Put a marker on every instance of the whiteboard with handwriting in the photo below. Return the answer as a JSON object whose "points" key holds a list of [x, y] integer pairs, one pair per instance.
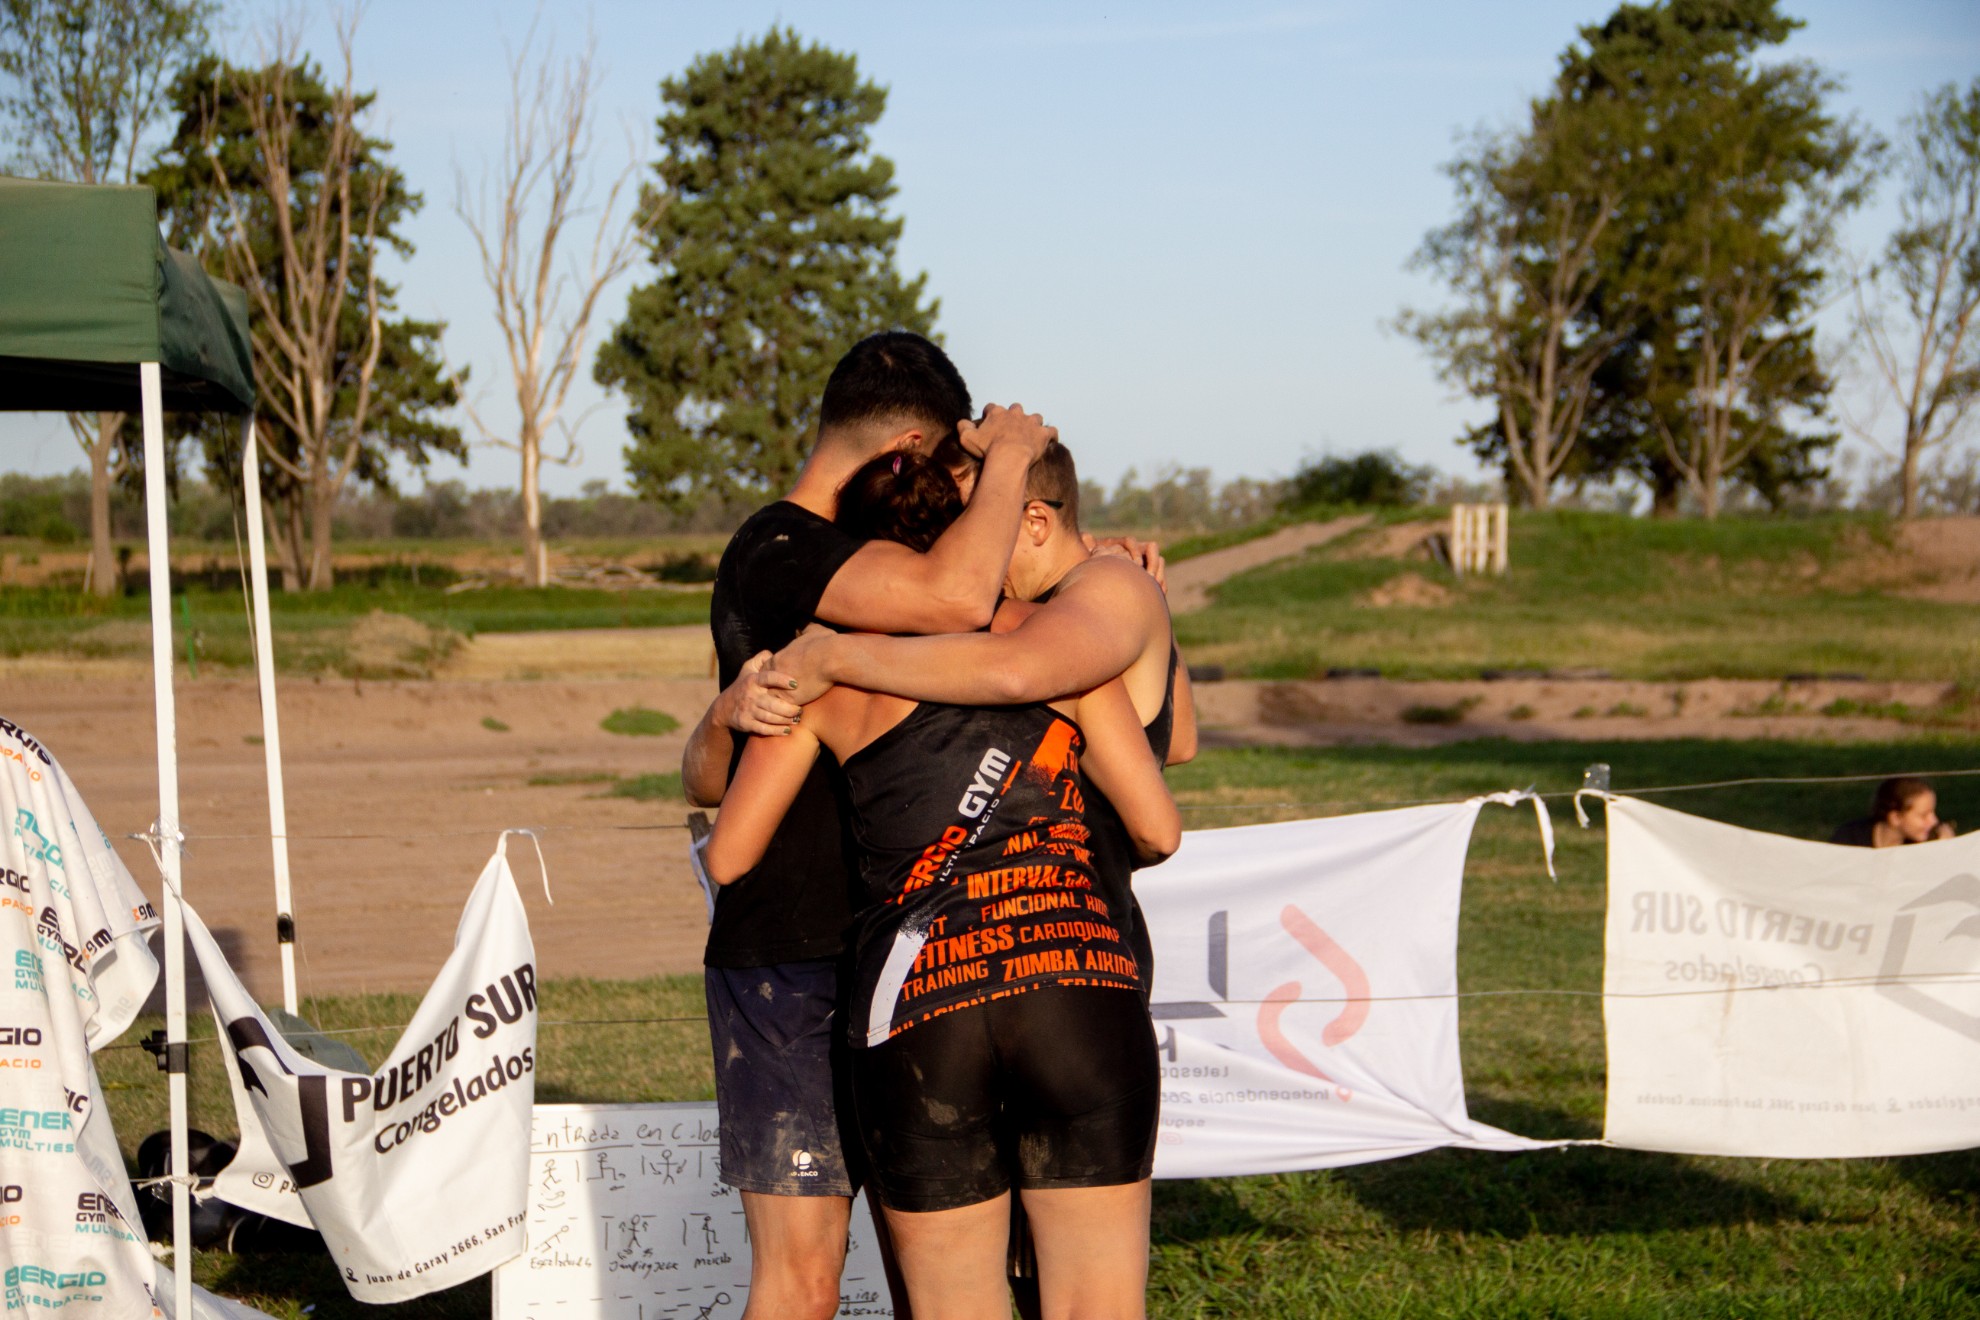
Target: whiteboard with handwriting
{"points": [[628, 1221]]}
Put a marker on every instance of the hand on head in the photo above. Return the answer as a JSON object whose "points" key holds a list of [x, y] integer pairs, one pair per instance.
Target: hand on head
{"points": [[1147, 554], [1012, 425]]}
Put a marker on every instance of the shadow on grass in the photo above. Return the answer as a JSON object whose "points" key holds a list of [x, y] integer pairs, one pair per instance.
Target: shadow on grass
{"points": [[1541, 1122], [1205, 1209], [1575, 1192], [284, 1284], [1952, 1178]]}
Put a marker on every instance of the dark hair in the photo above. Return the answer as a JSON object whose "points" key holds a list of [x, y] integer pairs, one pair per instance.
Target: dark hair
{"points": [[1896, 795], [895, 374], [1055, 480], [899, 497]]}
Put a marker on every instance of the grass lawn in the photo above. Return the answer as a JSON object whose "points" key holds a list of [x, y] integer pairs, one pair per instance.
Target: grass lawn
{"points": [[391, 629], [1578, 1232], [1638, 598]]}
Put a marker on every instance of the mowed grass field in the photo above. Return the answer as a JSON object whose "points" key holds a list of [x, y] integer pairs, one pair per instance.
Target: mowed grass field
{"points": [[1676, 600], [1570, 1233], [1636, 598]]}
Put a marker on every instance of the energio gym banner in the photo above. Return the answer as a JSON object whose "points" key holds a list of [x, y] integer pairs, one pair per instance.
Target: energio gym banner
{"points": [[416, 1175], [1775, 997], [74, 970], [1304, 996]]}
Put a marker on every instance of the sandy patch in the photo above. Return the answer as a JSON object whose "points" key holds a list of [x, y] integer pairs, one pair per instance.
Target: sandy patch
{"points": [[1190, 582], [682, 652], [1409, 589]]}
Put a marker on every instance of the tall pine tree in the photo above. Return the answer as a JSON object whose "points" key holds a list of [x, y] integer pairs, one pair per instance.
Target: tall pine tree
{"points": [[773, 256]]}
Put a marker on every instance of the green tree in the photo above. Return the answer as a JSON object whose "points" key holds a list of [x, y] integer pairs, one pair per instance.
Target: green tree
{"points": [[271, 180], [1379, 477], [1918, 307], [82, 84], [774, 254], [1525, 258], [1723, 241]]}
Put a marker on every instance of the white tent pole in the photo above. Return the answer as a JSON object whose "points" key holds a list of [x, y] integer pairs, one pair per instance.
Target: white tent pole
{"points": [[152, 398], [271, 725]]}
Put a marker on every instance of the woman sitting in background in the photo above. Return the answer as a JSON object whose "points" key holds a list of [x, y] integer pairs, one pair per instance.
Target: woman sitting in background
{"points": [[1905, 810]]}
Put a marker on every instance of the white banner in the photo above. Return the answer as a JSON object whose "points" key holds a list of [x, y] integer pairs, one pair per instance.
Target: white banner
{"points": [[416, 1176], [1776, 997], [1304, 999], [76, 970]]}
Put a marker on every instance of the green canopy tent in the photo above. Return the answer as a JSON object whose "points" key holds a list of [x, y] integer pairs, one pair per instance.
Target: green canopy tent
{"points": [[97, 314], [88, 292]]}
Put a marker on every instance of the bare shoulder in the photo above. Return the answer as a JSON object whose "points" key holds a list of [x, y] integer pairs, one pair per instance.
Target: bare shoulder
{"points": [[1117, 582]]}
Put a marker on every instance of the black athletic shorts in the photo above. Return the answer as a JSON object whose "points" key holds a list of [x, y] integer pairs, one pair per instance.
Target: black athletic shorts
{"points": [[780, 1078], [1055, 1087]]}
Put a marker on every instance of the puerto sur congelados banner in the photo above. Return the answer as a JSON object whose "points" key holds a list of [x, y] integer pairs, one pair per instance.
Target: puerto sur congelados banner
{"points": [[1305, 993], [1776, 997], [416, 1175], [74, 970]]}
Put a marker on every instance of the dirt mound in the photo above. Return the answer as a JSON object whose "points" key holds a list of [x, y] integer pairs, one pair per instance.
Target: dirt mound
{"points": [[1947, 550], [682, 652], [1409, 589], [386, 645], [1402, 541], [1935, 559], [114, 637]]}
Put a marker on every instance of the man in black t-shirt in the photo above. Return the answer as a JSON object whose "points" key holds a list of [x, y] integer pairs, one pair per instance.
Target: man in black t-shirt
{"points": [[773, 951]]}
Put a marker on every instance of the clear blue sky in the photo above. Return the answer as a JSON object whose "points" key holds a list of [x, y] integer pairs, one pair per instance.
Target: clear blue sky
{"points": [[1177, 229]]}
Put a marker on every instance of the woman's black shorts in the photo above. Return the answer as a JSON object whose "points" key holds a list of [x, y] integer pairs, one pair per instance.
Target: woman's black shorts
{"points": [[1055, 1087]]}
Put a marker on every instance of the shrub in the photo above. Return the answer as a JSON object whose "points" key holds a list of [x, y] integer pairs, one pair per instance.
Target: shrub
{"points": [[1378, 477]]}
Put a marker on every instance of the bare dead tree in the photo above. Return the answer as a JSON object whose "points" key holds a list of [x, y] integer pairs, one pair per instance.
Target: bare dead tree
{"points": [[1918, 308], [323, 217], [546, 286]]}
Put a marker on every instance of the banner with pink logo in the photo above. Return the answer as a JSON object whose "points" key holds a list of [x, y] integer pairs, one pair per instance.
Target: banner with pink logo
{"points": [[1305, 993], [1771, 996]]}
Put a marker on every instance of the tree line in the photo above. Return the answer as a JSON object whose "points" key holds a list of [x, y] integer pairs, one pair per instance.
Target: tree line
{"points": [[1636, 269], [763, 220]]}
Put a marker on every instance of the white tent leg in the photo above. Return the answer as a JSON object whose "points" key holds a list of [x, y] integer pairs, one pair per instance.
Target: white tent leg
{"points": [[271, 725], [152, 398]]}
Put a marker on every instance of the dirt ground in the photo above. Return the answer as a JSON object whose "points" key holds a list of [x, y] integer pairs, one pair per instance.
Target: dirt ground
{"points": [[396, 789], [395, 794]]}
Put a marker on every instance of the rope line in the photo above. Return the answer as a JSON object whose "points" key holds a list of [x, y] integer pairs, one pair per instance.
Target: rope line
{"points": [[1559, 795], [1834, 983]]}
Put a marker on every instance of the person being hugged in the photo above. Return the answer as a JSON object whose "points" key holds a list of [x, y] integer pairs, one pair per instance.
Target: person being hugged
{"points": [[996, 1012]]}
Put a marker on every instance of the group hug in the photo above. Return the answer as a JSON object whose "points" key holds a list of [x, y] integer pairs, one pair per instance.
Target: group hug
{"points": [[938, 756]]}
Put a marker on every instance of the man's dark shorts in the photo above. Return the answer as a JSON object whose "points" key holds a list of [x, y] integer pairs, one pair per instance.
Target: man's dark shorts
{"points": [[778, 1078]]}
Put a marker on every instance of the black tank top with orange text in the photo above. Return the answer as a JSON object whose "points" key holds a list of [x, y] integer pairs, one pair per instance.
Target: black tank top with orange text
{"points": [[974, 852]]}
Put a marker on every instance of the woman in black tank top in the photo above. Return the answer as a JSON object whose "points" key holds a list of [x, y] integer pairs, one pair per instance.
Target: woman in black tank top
{"points": [[997, 1012]]}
